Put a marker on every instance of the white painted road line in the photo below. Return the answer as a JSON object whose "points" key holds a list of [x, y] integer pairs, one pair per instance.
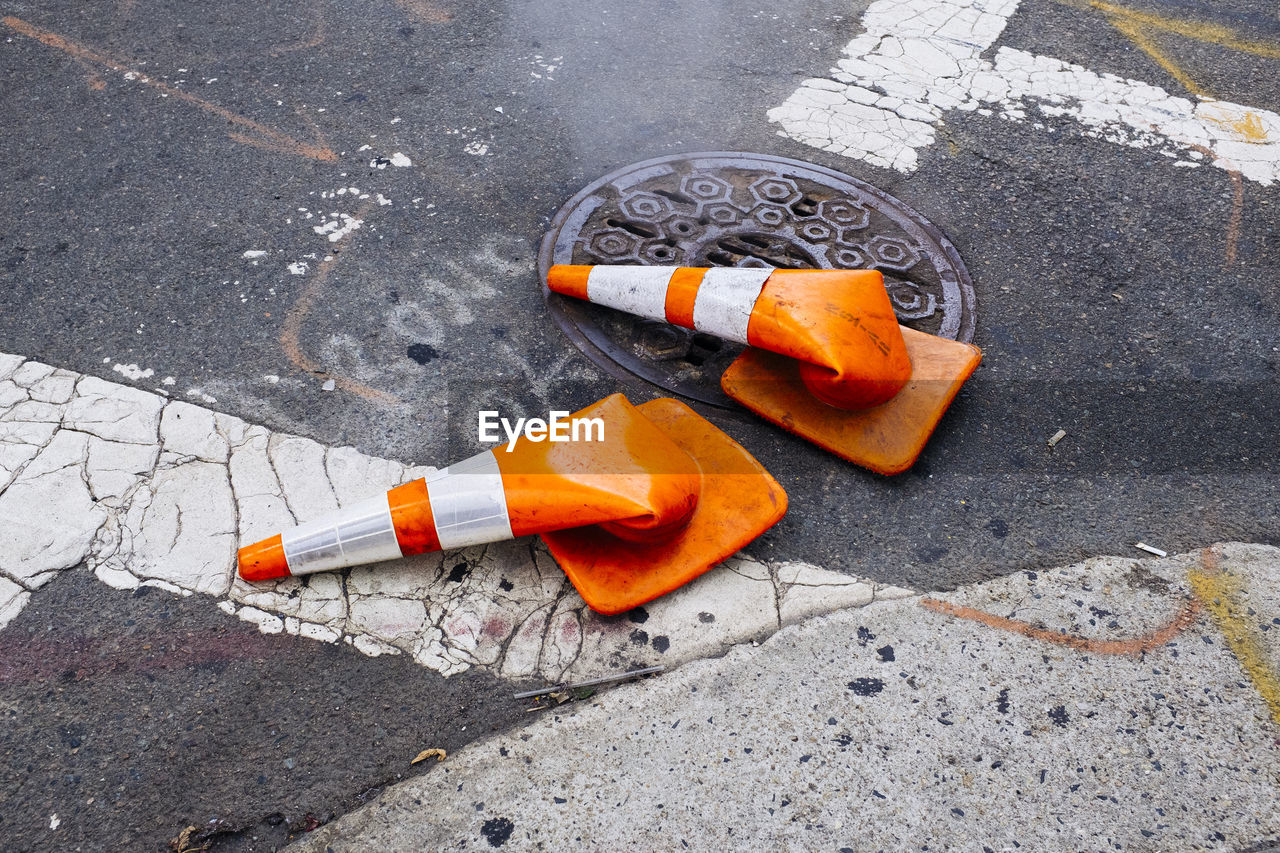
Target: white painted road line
{"points": [[144, 490], [919, 59]]}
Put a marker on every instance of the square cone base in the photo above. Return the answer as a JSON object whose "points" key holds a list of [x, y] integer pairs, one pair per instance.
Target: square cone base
{"points": [[887, 438], [739, 501]]}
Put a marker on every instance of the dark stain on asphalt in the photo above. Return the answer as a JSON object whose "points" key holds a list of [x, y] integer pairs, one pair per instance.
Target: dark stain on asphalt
{"points": [[497, 830], [661, 643], [930, 553], [885, 653], [210, 723], [423, 353], [1059, 716], [1002, 701], [866, 686], [864, 636], [1140, 577], [999, 527], [639, 615]]}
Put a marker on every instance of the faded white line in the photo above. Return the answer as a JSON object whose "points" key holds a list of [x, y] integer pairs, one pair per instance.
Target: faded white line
{"points": [[148, 491], [919, 59]]}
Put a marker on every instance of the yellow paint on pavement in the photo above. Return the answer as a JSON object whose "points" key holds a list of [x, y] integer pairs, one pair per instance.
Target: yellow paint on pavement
{"points": [[1201, 31], [1220, 592], [1248, 127], [1137, 33]]}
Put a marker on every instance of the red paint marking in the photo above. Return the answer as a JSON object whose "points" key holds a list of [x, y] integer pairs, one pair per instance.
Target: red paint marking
{"points": [[497, 628], [1237, 207], [265, 137], [295, 319], [1135, 646]]}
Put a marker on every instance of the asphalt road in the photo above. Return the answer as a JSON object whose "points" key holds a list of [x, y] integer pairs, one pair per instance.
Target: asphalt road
{"points": [[148, 147]]}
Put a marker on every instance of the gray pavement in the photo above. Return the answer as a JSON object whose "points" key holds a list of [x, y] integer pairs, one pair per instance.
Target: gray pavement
{"points": [[1110, 705]]}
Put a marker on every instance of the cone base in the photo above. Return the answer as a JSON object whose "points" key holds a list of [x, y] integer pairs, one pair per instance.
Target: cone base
{"points": [[886, 439], [739, 501]]}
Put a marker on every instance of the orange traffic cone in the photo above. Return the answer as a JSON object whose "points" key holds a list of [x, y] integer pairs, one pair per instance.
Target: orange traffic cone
{"points": [[839, 326], [827, 359], [658, 499]]}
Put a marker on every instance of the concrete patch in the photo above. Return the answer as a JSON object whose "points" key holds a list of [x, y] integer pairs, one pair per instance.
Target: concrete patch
{"points": [[879, 727]]}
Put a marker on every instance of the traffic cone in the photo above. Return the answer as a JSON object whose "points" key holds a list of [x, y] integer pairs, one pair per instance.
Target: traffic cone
{"points": [[837, 324], [826, 358], [661, 497]]}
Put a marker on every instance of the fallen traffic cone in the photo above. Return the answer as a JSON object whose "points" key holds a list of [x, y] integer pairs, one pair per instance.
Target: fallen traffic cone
{"points": [[661, 497], [837, 324], [827, 359]]}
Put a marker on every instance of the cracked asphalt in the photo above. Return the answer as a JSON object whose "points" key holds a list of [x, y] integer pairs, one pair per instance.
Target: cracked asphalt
{"points": [[167, 169]]}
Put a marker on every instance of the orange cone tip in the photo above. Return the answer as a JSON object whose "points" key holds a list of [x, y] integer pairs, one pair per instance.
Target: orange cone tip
{"points": [[658, 501]]}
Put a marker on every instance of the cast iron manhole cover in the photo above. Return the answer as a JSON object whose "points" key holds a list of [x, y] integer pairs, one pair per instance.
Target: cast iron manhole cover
{"points": [[741, 210]]}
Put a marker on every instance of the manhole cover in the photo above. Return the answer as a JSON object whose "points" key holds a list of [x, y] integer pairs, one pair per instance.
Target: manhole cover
{"points": [[744, 210]]}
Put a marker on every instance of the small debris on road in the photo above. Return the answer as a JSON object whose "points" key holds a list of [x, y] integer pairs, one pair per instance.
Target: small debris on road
{"points": [[1142, 546], [182, 844], [328, 385], [440, 755], [555, 689], [1056, 437]]}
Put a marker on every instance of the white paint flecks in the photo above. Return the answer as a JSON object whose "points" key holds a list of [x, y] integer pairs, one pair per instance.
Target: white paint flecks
{"points": [[199, 394], [920, 58], [398, 159], [476, 148], [254, 253], [338, 227], [546, 66], [132, 371], [298, 268], [147, 491]]}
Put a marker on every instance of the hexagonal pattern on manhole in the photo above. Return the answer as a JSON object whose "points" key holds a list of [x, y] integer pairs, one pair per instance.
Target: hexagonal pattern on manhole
{"points": [[744, 210]]}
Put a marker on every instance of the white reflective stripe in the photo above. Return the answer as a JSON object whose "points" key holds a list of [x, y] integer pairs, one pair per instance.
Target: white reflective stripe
{"points": [[725, 299], [352, 536], [469, 504], [636, 290]]}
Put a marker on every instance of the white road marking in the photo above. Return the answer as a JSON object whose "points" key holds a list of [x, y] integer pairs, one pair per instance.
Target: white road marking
{"points": [[919, 59], [147, 491]]}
